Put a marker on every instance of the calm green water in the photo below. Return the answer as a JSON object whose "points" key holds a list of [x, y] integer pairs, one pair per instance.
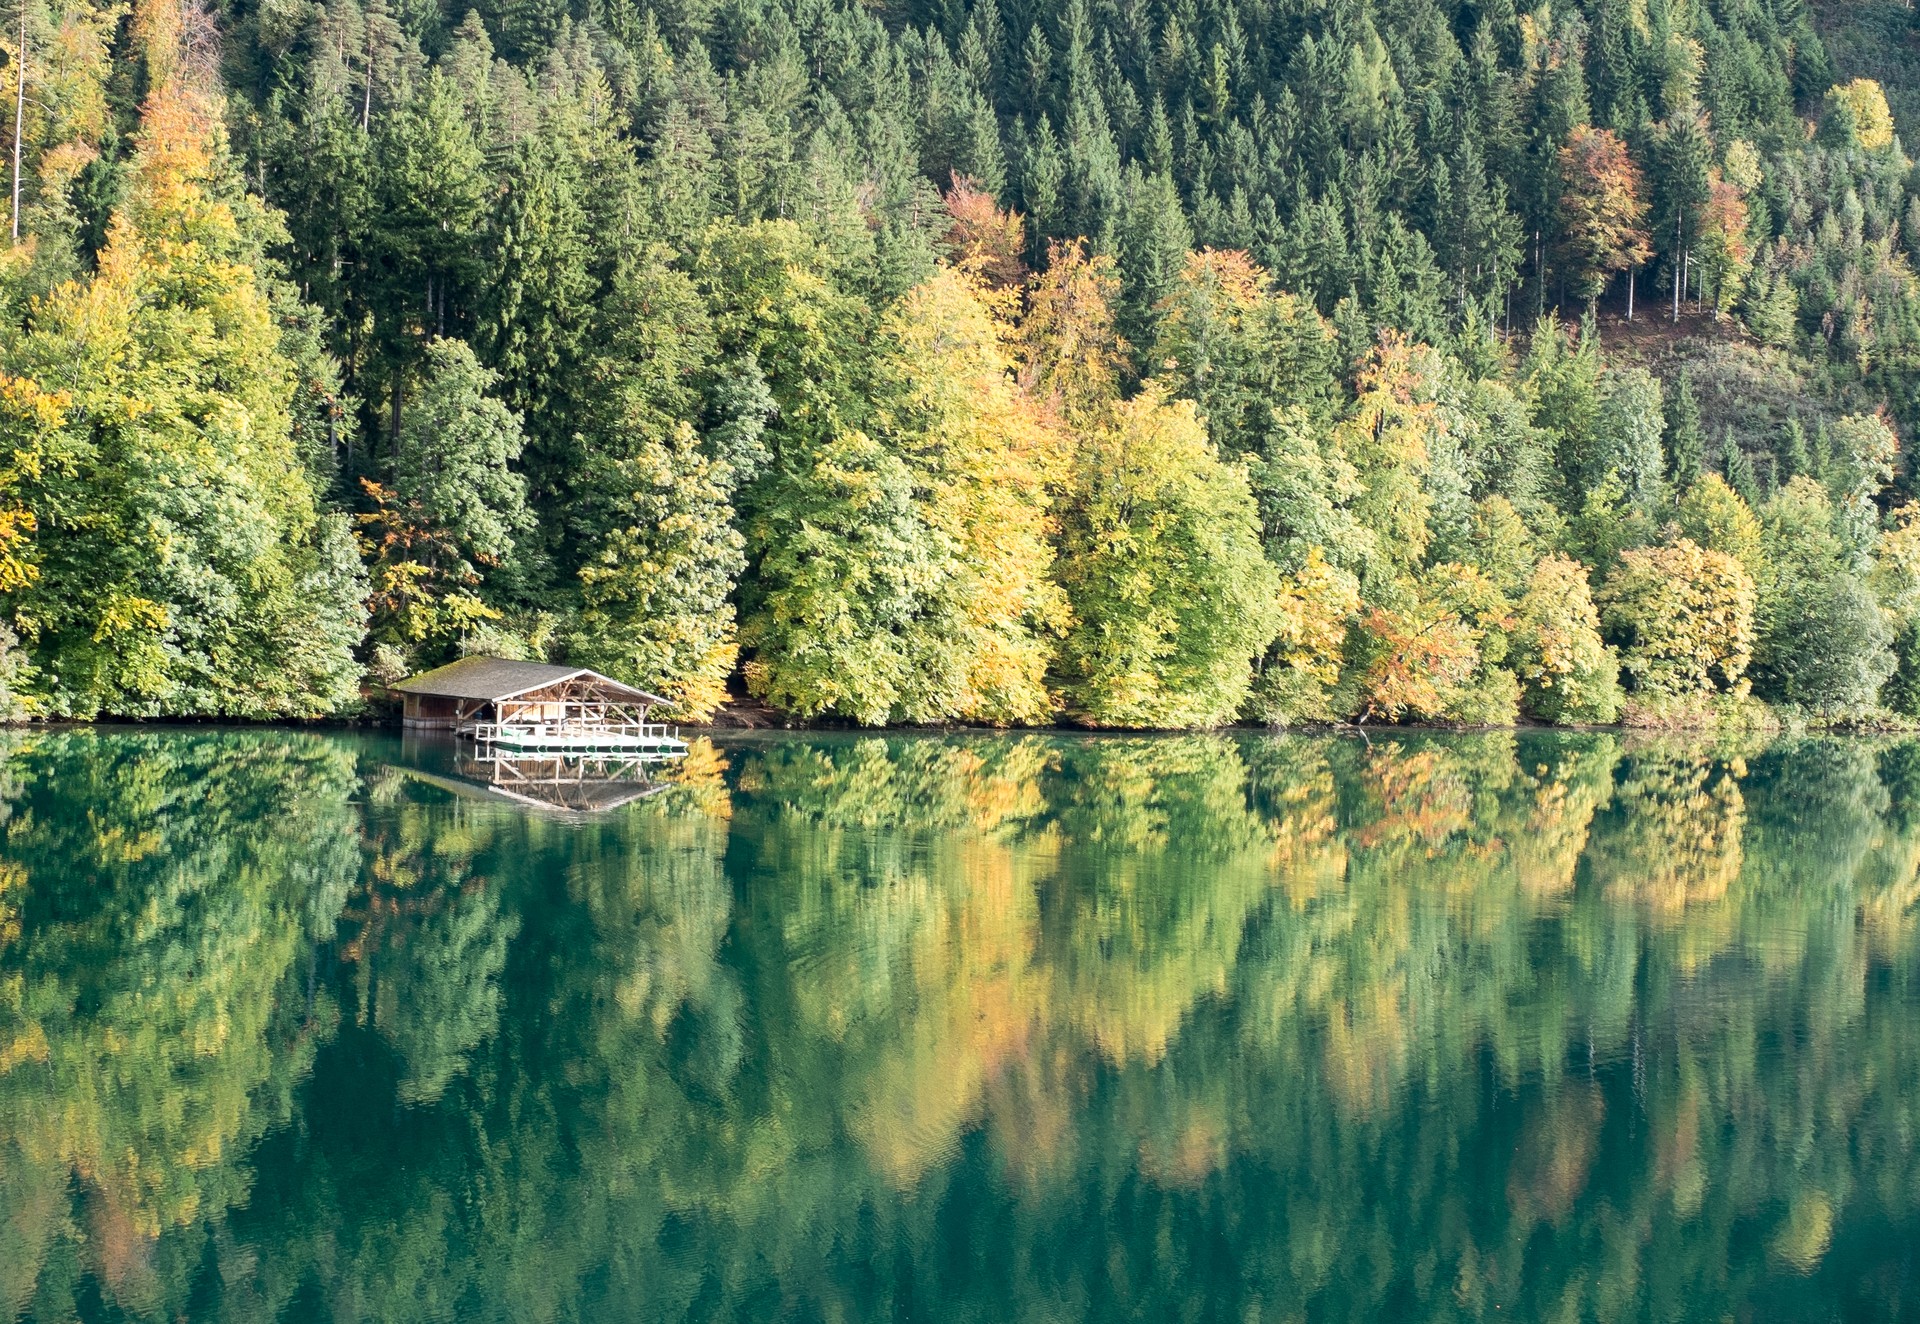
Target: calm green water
{"points": [[298, 1027]]}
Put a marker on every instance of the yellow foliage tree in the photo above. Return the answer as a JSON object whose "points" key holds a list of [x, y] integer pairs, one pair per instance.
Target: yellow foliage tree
{"points": [[1161, 560], [1567, 673], [988, 460], [1071, 353], [1863, 104], [191, 569], [1388, 439], [1317, 605], [1719, 519], [1684, 616]]}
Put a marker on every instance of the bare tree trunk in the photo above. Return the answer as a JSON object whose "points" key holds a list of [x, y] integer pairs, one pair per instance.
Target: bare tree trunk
{"points": [[19, 117], [1539, 276], [366, 103], [1630, 274]]}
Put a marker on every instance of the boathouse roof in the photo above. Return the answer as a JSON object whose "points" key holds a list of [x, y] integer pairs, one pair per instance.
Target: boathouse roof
{"points": [[495, 678]]}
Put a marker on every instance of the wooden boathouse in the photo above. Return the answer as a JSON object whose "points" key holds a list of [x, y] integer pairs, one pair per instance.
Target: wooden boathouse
{"points": [[535, 706]]}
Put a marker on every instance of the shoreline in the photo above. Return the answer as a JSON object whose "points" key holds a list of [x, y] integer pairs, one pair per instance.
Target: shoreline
{"points": [[1773, 722]]}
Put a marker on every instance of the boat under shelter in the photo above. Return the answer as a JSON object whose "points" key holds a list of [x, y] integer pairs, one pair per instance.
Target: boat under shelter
{"points": [[496, 701]]}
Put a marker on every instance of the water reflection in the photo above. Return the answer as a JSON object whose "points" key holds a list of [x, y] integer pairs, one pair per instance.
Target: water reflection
{"points": [[1539, 1026]]}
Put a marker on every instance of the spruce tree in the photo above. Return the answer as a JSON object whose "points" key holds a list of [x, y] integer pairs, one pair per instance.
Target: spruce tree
{"points": [[1738, 468], [1686, 443], [533, 324]]}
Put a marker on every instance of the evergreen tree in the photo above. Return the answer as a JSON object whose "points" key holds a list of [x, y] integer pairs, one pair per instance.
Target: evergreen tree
{"points": [[537, 311], [430, 196], [1683, 156], [1738, 468], [1686, 442]]}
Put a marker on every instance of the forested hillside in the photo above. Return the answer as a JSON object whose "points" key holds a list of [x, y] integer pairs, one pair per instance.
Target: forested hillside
{"points": [[1126, 362]]}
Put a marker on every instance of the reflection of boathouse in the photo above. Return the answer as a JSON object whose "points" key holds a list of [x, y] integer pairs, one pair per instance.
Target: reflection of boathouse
{"points": [[536, 706], [582, 783]]}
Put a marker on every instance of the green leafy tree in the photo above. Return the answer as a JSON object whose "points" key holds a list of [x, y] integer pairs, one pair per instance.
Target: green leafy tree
{"points": [[1160, 558], [656, 607], [1856, 115], [1822, 642], [443, 535], [987, 462], [1241, 351], [189, 570], [1628, 432], [846, 566], [1718, 518], [454, 458]]}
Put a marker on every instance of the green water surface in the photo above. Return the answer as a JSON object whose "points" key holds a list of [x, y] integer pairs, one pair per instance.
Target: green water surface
{"points": [[302, 1026]]}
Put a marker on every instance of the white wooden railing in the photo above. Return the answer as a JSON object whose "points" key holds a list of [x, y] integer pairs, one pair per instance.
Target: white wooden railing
{"points": [[571, 730]]}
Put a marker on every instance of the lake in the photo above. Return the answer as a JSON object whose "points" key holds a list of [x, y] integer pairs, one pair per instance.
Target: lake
{"points": [[300, 1026]]}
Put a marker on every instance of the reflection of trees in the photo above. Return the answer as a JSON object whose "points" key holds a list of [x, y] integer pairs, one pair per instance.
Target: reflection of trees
{"points": [[159, 889], [1162, 860], [425, 935], [1018, 1026], [1675, 838]]}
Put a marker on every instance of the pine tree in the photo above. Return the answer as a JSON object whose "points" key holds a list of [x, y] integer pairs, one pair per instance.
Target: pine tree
{"points": [[430, 194], [1793, 454], [1686, 443], [1738, 467], [533, 324], [1043, 181], [1682, 186], [1154, 236]]}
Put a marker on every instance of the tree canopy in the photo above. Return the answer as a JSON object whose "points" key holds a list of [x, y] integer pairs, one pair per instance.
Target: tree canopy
{"points": [[1168, 364]]}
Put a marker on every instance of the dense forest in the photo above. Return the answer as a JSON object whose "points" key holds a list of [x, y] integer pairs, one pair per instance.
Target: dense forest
{"points": [[1124, 362]]}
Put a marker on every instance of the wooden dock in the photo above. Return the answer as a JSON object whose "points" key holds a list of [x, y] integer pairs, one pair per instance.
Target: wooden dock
{"points": [[579, 737]]}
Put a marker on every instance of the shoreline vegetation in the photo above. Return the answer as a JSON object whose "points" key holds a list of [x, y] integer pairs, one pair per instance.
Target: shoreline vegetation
{"points": [[1000, 363]]}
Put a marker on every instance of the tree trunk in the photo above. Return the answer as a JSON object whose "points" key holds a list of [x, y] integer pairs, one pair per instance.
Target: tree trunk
{"points": [[1539, 276], [366, 104], [1676, 269], [1630, 274], [19, 117]]}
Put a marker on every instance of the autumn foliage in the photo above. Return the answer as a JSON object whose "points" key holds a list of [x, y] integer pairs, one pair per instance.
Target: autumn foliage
{"points": [[1602, 209]]}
